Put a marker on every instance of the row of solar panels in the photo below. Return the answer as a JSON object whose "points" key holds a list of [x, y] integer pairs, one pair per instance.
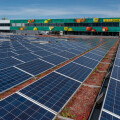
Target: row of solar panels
{"points": [[50, 92], [43, 49], [80, 68], [27, 65], [111, 105]]}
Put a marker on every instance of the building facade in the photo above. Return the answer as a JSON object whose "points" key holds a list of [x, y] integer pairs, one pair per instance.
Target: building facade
{"points": [[80, 26]]}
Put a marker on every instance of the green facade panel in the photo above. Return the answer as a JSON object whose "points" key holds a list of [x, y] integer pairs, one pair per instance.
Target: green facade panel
{"points": [[87, 20], [75, 28], [98, 29]]}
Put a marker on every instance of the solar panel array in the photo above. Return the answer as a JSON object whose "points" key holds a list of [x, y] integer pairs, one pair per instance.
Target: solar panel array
{"points": [[16, 107], [80, 68], [52, 91], [44, 98], [33, 58], [35, 67], [111, 105], [11, 77]]}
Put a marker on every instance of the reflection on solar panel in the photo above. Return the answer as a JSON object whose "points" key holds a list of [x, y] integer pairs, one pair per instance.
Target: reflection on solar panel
{"points": [[27, 57], [8, 62], [7, 54], [106, 116], [86, 62], [42, 53], [11, 77], [75, 71], [66, 54], [53, 90], [54, 59], [112, 101], [93, 56], [16, 107], [116, 72], [35, 67]]}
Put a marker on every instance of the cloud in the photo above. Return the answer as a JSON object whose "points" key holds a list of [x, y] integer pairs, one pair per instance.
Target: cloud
{"points": [[37, 12]]}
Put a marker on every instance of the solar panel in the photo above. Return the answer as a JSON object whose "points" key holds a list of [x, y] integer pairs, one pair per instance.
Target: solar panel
{"points": [[19, 48], [93, 56], [98, 52], [86, 61], [43, 53], [35, 48], [117, 62], [54, 50], [6, 50], [44, 46], [61, 47], [55, 59], [7, 54], [16, 107], [8, 62], [11, 77], [118, 55], [76, 51], [106, 116], [66, 54], [112, 101], [52, 90], [27, 57], [116, 72], [22, 51], [35, 67], [75, 71]]}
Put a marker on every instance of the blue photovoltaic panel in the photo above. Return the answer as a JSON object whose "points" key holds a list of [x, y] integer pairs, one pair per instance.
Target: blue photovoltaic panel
{"points": [[61, 47], [86, 61], [6, 54], [35, 48], [54, 59], [118, 55], [10, 77], [116, 72], [54, 50], [112, 101], [46, 46], [16, 107], [93, 56], [6, 49], [106, 116], [35, 67], [99, 52], [117, 62], [42, 53], [27, 57], [79, 51], [75, 71], [53, 90], [8, 62], [22, 51], [66, 54]]}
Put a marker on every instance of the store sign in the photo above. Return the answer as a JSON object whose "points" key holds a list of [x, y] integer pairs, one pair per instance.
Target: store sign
{"points": [[111, 20]]}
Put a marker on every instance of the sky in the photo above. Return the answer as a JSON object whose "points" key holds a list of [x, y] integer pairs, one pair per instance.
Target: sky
{"points": [[43, 9]]}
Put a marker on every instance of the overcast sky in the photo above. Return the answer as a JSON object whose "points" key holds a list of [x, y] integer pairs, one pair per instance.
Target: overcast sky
{"points": [[38, 9]]}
